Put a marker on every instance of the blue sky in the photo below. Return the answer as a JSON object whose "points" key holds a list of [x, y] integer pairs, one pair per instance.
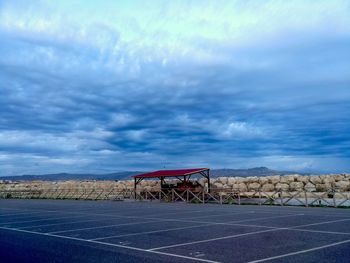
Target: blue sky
{"points": [[101, 86]]}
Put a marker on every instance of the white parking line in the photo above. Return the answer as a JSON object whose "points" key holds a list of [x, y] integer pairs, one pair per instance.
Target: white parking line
{"points": [[91, 214], [320, 231], [306, 210], [172, 213], [191, 212], [110, 244], [189, 227], [232, 223], [150, 232], [293, 227], [322, 223], [259, 218], [222, 215], [107, 210], [20, 214], [165, 220], [98, 227], [108, 215], [246, 234], [62, 223], [4, 221], [214, 239], [142, 216], [301, 251], [29, 213], [38, 220]]}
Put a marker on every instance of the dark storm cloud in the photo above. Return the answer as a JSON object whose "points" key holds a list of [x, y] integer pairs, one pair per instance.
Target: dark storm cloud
{"points": [[92, 98]]}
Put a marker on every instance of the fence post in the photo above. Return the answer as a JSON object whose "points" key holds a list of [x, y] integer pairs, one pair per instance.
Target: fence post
{"points": [[281, 197], [305, 194], [260, 196]]}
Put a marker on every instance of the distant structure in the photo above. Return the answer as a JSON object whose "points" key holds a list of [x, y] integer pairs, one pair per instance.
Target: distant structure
{"points": [[183, 175]]}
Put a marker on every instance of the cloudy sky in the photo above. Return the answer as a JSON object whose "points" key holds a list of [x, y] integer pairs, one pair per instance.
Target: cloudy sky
{"points": [[101, 86]]}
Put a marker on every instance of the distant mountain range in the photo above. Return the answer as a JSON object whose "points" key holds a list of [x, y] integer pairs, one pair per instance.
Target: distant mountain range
{"points": [[258, 171], [71, 176]]}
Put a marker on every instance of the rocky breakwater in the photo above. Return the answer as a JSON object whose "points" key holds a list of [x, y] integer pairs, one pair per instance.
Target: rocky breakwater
{"points": [[293, 182], [77, 188]]}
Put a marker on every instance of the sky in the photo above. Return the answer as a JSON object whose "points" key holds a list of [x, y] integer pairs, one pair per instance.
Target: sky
{"points": [[105, 86]]}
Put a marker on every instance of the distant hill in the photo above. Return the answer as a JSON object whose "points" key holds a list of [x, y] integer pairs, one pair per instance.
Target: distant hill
{"points": [[258, 171], [69, 176]]}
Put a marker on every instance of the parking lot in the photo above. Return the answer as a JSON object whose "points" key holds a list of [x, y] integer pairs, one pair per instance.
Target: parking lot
{"points": [[125, 231]]}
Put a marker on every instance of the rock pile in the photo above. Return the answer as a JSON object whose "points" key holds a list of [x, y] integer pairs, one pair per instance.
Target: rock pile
{"points": [[313, 183]]}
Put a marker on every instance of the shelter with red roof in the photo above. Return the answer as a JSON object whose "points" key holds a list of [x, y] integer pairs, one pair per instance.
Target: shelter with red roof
{"points": [[183, 175]]}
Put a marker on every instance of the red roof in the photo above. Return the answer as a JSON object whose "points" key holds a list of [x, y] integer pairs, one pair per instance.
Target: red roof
{"points": [[171, 173]]}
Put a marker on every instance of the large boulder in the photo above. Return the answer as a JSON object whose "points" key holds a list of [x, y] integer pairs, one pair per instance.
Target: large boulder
{"points": [[222, 180], [129, 184], [252, 179], [235, 187], [214, 180], [253, 186], [274, 179], [282, 186], [263, 180], [310, 187], [303, 179], [338, 177], [240, 179], [231, 181], [268, 188], [323, 187], [328, 180], [290, 178], [315, 179], [242, 187], [343, 185], [342, 195], [296, 185], [283, 180], [218, 185], [202, 181]]}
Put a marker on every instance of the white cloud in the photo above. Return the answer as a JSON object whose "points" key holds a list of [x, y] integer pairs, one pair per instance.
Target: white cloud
{"points": [[135, 135], [122, 119], [46, 143], [236, 130], [128, 81], [170, 31]]}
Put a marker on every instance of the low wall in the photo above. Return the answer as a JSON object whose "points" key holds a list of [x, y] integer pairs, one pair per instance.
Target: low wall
{"points": [[313, 183], [323, 190]]}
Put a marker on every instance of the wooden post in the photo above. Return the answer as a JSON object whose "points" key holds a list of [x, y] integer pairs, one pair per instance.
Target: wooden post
{"points": [[135, 188], [306, 201], [208, 173]]}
